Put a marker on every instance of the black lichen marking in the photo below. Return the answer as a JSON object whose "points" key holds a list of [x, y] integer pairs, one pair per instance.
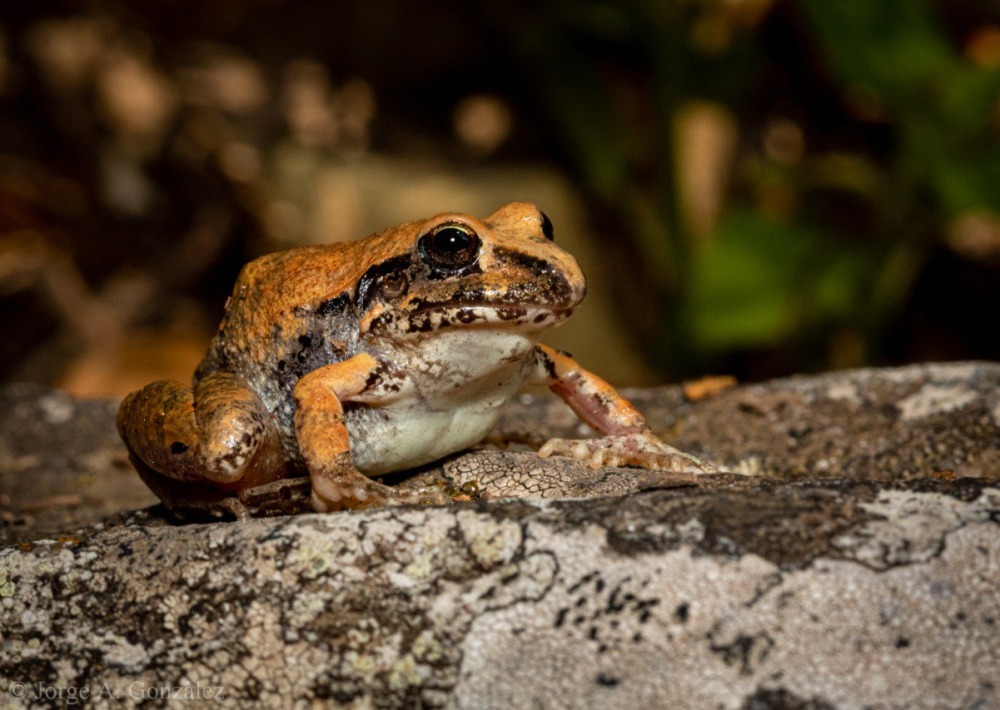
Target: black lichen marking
{"points": [[586, 579], [902, 642], [606, 614], [607, 681], [768, 698], [682, 612], [643, 608], [745, 651], [178, 447]]}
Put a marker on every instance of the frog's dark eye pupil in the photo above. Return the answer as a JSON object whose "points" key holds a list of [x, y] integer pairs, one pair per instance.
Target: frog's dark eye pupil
{"points": [[547, 227], [451, 240], [450, 246]]}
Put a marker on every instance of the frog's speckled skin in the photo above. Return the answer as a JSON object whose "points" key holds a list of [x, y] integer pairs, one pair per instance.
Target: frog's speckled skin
{"points": [[374, 356]]}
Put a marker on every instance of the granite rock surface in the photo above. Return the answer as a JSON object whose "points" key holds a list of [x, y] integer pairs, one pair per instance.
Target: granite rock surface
{"points": [[850, 558]]}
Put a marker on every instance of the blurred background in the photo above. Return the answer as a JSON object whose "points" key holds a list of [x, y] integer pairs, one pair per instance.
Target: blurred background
{"points": [[754, 187]]}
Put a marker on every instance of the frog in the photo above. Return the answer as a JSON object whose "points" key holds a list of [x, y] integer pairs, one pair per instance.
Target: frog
{"points": [[336, 364]]}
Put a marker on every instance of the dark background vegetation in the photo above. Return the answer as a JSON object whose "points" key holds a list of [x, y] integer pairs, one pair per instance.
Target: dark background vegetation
{"points": [[773, 185]]}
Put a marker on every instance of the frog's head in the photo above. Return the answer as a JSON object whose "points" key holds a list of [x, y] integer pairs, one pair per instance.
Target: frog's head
{"points": [[454, 270]]}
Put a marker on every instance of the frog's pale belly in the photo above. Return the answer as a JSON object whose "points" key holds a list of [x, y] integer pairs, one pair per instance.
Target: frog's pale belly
{"points": [[385, 440], [450, 400]]}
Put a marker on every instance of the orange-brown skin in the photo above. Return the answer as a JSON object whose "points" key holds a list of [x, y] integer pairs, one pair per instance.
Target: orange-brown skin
{"points": [[322, 433], [425, 330]]}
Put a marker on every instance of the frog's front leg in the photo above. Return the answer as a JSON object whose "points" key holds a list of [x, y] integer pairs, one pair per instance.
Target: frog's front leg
{"points": [[325, 444], [627, 439], [200, 448]]}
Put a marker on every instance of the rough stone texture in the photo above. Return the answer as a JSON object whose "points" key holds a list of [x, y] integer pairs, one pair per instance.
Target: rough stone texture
{"points": [[858, 565]]}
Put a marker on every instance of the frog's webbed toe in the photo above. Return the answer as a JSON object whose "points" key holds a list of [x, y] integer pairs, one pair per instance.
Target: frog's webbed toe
{"points": [[642, 449]]}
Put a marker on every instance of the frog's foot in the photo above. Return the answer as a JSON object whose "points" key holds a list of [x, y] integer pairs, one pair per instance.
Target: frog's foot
{"points": [[352, 490], [286, 496], [642, 449]]}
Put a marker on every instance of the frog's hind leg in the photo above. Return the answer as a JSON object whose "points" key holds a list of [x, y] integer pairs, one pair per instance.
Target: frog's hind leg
{"points": [[197, 454]]}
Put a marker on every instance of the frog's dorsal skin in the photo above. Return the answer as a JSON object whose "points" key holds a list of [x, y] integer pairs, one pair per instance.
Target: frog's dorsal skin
{"points": [[373, 356]]}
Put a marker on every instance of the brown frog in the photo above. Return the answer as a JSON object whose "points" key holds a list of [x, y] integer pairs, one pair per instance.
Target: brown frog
{"points": [[351, 360]]}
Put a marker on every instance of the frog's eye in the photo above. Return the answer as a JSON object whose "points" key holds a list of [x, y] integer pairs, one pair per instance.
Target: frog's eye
{"points": [[450, 246], [547, 227]]}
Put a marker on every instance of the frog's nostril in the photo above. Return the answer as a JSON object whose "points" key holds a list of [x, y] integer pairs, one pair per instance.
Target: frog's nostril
{"points": [[547, 227]]}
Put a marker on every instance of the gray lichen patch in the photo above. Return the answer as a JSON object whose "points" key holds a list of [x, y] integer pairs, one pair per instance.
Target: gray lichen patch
{"points": [[881, 425], [934, 400], [682, 630], [585, 602], [857, 566], [907, 526]]}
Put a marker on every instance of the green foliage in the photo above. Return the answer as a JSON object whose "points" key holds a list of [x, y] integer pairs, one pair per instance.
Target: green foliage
{"points": [[614, 75], [759, 280]]}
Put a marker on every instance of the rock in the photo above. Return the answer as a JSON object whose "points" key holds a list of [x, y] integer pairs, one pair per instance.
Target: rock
{"points": [[857, 565], [62, 464]]}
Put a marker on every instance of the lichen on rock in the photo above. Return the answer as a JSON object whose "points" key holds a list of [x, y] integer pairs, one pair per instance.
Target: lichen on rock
{"points": [[857, 567]]}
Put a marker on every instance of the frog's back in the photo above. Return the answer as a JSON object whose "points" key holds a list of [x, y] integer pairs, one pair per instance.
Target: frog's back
{"points": [[289, 313]]}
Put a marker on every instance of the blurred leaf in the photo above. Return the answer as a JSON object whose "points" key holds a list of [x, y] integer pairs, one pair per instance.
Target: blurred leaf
{"points": [[571, 86], [744, 282], [759, 281], [891, 46]]}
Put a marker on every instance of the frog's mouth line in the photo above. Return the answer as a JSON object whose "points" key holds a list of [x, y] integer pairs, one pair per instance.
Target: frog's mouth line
{"points": [[470, 315]]}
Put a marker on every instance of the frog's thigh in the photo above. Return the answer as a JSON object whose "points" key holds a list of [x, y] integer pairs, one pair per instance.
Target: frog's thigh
{"points": [[229, 439]]}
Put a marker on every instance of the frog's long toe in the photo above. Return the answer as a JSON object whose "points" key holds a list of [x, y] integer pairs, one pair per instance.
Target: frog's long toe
{"points": [[641, 449], [358, 493]]}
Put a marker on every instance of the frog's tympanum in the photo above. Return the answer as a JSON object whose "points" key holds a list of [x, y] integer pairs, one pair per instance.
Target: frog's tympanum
{"points": [[348, 361]]}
